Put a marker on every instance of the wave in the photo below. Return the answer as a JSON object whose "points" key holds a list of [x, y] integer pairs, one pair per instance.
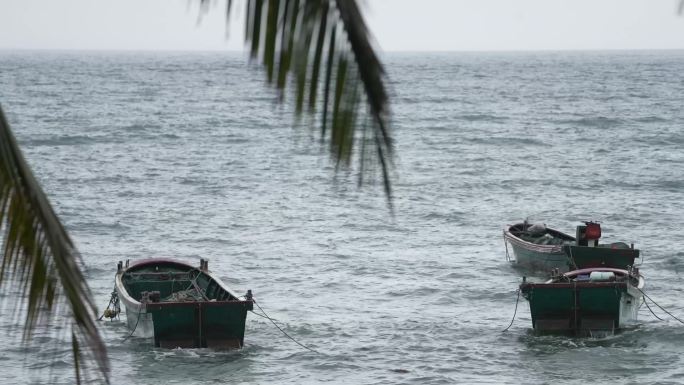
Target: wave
{"points": [[71, 140], [650, 119], [449, 217], [507, 141], [673, 262], [593, 122], [139, 127], [482, 118], [663, 140], [669, 185]]}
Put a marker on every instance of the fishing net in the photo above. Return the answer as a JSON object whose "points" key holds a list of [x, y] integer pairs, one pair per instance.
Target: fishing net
{"points": [[189, 295]]}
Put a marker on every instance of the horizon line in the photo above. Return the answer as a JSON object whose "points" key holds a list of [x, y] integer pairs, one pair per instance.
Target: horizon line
{"points": [[232, 51]]}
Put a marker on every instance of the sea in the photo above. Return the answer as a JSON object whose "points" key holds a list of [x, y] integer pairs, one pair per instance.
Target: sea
{"points": [[189, 155]]}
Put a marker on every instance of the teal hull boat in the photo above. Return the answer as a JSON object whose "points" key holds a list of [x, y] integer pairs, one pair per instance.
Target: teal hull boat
{"points": [[586, 302], [179, 305], [537, 248]]}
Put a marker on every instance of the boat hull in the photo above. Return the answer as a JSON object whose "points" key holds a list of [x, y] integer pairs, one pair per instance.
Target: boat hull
{"points": [[190, 325], [606, 256], [539, 259], [215, 321], [535, 257], [583, 308]]}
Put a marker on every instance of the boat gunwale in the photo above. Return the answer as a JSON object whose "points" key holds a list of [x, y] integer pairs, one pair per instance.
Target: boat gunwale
{"points": [[138, 306], [567, 285], [584, 284], [550, 249], [592, 269]]}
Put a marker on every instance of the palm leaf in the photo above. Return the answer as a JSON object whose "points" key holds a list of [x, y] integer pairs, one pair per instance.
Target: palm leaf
{"points": [[354, 78], [40, 257]]}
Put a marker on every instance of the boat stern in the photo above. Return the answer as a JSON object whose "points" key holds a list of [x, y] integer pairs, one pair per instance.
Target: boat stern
{"points": [[575, 308], [219, 325]]}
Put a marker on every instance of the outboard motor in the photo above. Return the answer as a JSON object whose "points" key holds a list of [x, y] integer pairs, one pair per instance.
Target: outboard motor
{"points": [[589, 234]]}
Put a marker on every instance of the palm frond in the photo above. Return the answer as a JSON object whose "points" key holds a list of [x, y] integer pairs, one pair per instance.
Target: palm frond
{"points": [[291, 37], [40, 257]]}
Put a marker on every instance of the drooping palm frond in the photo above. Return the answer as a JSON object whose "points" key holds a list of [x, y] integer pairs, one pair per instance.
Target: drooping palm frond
{"points": [[40, 257], [323, 48]]}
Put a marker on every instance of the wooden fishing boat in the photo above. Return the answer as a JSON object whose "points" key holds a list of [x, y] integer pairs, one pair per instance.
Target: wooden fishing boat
{"points": [[585, 302], [537, 247], [542, 249], [179, 305]]}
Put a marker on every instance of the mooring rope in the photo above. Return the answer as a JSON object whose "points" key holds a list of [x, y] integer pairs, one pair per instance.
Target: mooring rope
{"points": [[259, 314], [283, 331], [649, 309], [661, 308], [107, 307], [517, 299], [134, 327], [113, 301]]}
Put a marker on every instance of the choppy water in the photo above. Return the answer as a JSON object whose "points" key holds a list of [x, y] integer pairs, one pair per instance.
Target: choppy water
{"points": [[185, 155]]}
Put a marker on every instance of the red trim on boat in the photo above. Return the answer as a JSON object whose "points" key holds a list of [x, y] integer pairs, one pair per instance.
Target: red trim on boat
{"points": [[582, 284], [591, 269], [152, 261]]}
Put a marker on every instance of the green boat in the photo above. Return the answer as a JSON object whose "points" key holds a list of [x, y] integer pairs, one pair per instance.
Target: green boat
{"points": [[585, 302], [179, 305], [538, 248]]}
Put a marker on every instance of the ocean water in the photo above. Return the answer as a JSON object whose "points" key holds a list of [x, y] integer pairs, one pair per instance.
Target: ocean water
{"points": [[187, 155]]}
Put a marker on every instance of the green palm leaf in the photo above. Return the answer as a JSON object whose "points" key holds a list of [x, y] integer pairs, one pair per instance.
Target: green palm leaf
{"points": [[291, 37], [40, 257]]}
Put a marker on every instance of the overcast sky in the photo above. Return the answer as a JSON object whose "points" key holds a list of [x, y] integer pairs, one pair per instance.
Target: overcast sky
{"points": [[397, 25]]}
